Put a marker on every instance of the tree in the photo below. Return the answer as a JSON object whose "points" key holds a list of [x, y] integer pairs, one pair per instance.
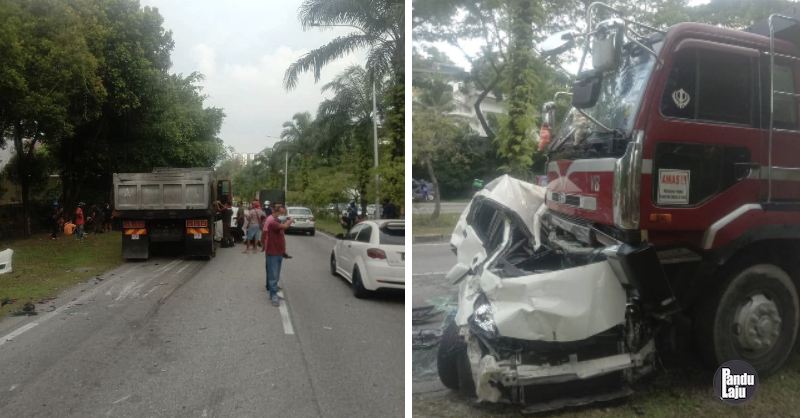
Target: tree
{"points": [[514, 140], [48, 67], [380, 28], [299, 139], [435, 131]]}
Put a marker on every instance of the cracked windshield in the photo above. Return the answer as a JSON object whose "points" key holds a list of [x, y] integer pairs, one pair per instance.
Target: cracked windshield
{"points": [[202, 208], [594, 187]]}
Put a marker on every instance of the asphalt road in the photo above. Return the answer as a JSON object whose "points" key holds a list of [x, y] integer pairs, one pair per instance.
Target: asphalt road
{"points": [[420, 208], [430, 266], [175, 337]]}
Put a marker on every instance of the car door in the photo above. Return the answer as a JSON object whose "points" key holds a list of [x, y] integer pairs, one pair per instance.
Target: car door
{"points": [[345, 259], [361, 244]]}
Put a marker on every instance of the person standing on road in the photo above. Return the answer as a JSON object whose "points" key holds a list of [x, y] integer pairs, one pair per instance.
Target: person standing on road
{"points": [[424, 191], [270, 217], [255, 218], [276, 249], [238, 233], [99, 219], [352, 213], [57, 211], [389, 210], [79, 221], [107, 217]]}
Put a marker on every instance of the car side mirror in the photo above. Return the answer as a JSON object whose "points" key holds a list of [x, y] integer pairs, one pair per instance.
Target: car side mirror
{"points": [[339, 236]]}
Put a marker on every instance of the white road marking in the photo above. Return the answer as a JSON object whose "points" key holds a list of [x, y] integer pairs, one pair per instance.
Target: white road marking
{"points": [[328, 236], [17, 332], [287, 321]]}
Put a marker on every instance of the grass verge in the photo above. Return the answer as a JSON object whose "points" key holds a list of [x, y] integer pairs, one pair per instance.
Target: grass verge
{"points": [[423, 225], [42, 268], [330, 225]]}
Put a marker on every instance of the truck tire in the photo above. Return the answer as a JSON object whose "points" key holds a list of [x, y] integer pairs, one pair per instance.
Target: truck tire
{"points": [[450, 346], [753, 316]]}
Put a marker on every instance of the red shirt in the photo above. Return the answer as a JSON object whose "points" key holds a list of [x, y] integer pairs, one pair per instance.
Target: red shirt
{"points": [[276, 242], [79, 217]]}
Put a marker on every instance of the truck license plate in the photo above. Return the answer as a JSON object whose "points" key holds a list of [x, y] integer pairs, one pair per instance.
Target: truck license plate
{"points": [[198, 236], [135, 236]]}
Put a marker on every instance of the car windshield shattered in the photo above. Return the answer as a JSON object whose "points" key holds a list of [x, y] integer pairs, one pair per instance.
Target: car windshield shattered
{"points": [[622, 90]]}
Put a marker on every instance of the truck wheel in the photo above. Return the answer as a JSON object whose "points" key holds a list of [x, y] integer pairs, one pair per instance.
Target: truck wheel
{"points": [[753, 317], [450, 347]]}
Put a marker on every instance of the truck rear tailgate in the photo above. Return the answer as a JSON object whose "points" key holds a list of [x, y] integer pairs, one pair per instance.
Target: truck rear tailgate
{"points": [[163, 190]]}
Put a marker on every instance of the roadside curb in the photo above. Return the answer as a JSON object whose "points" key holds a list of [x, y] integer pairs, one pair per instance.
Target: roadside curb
{"points": [[424, 239]]}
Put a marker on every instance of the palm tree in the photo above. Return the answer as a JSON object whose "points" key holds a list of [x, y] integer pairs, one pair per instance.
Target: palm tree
{"points": [[379, 28], [348, 115], [298, 138]]}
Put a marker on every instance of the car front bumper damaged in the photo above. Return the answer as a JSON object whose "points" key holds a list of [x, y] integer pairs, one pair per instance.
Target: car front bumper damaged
{"points": [[540, 311]]}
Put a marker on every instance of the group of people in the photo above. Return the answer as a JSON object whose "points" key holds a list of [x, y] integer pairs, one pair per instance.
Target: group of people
{"points": [[100, 218], [267, 227], [352, 218]]}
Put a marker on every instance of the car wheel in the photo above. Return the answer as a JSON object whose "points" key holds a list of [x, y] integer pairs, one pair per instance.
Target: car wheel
{"points": [[313, 231], [359, 290], [752, 317], [333, 263], [450, 346]]}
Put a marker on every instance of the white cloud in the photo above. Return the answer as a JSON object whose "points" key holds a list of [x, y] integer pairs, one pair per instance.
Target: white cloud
{"points": [[204, 55], [243, 48]]}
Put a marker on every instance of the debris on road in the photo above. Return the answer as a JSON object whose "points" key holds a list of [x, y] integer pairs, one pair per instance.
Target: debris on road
{"points": [[426, 338], [328, 328], [424, 314], [7, 301], [29, 307]]}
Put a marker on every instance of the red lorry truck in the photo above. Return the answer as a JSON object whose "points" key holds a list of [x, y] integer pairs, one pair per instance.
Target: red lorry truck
{"points": [[677, 173]]}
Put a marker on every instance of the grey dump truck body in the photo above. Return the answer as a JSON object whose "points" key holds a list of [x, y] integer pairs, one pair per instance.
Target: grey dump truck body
{"points": [[271, 196], [166, 206]]}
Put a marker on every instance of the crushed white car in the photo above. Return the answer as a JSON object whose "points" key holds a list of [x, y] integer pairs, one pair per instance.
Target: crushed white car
{"points": [[535, 321]]}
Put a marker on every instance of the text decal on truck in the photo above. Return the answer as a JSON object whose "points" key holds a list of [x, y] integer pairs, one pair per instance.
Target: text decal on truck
{"points": [[673, 187]]}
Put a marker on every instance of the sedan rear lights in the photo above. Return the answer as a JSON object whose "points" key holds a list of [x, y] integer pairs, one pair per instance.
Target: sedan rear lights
{"points": [[199, 224], [376, 253], [133, 224], [313, 219]]}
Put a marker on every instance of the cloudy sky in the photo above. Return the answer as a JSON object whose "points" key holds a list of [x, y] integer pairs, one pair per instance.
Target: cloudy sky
{"points": [[243, 48]]}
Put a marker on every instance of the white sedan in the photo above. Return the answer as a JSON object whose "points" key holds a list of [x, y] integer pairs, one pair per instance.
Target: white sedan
{"points": [[371, 256], [306, 222]]}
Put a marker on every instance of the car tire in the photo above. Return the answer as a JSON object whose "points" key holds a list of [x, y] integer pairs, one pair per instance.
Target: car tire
{"points": [[740, 315], [447, 355], [359, 291], [466, 384], [333, 264], [313, 231]]}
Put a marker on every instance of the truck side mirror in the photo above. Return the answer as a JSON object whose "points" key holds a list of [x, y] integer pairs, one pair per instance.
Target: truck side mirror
{"points": [[607, 44], [549, 114], [586, 89]]}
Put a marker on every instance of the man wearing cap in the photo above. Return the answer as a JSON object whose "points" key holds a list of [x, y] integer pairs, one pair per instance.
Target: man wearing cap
{"points": [[352, 213], [255, 218]]}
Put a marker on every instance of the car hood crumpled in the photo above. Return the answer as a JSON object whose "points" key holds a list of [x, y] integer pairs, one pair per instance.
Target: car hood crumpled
{"points": [[565, 305]]}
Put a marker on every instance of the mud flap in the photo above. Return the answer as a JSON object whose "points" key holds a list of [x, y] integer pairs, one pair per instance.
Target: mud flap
{"points": [[135, 249]]}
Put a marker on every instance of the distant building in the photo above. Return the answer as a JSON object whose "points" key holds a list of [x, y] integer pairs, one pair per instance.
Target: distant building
{"points": [[467, 97], [244, 158]]}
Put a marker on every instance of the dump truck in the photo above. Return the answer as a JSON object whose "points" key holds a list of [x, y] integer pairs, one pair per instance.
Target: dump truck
{"points": [[169, 205], [271, 196], [671, 207]]}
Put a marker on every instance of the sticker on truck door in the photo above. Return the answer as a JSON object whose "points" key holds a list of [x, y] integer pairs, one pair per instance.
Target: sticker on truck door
{"points": [[673, 187]]}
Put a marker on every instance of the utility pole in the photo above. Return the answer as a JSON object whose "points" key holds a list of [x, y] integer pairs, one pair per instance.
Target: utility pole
{"points": [[375, 137], [286, 176]]}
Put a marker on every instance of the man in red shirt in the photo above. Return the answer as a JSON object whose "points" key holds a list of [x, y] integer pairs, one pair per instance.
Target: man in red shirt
{"points": [[79, 221], [276, 248]]}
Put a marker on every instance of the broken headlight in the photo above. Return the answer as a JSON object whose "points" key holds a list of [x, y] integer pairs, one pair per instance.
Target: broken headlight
{"points": [[483, 316]]}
